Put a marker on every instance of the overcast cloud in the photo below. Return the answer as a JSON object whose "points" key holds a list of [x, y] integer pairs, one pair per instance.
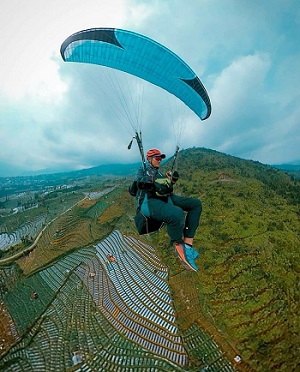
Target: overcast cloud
{"points": [[60, 115]]}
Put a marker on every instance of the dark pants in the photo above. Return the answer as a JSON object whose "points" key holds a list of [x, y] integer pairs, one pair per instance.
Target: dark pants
{"points": [[172, 214]]}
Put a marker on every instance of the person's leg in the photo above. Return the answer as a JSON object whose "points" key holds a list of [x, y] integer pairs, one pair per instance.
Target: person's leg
{"points": [[193, 207], [172, 215], [188, 241]]}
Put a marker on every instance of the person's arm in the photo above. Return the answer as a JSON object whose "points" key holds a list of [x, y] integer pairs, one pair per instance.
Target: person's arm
{"points": [[144, 182], [133, 189]]}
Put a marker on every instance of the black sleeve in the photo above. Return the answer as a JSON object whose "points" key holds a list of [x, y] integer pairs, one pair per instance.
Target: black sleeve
{"points": [[133, 189], [144, 182]]}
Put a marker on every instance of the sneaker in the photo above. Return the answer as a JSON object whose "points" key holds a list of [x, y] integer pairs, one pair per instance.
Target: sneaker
{"points": [[193, 253], [185, 256]]}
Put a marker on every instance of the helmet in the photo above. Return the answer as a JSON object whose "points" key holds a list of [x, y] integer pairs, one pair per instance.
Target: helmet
{"points": [[154, 152]]}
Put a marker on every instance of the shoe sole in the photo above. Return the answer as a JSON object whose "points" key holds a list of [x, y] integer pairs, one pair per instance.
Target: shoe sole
{"points": [[183, 260]]}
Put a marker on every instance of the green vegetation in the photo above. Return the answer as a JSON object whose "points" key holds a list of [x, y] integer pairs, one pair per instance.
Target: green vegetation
{"points": [[245, 295], [249, 254]]}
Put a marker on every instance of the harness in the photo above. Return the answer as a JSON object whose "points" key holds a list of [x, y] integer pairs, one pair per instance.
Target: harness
{"points": [[144, 223]]}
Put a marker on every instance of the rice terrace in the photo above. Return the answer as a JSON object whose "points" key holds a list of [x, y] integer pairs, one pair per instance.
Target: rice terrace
{"points": [[80, 290]]}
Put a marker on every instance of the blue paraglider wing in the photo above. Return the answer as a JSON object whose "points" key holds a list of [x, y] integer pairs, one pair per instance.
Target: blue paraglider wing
{"points": [[140, 56]]}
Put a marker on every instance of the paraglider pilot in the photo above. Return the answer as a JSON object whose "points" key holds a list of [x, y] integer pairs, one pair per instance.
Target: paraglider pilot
{"points": [[156, 204]]}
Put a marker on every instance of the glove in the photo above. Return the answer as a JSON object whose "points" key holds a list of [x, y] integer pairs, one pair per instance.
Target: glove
{"points": [[145, 183], [175, 176], [133, 189]]}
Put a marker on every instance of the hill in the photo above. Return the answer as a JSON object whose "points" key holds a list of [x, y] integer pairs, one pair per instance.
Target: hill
{"points": [[292, 169], [116, 169], [244, 299]]}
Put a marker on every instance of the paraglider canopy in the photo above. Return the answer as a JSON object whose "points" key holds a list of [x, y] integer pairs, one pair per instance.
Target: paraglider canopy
{"points": [[140, 56]]}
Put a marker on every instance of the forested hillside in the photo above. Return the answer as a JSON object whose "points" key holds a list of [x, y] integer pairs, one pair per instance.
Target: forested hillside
{"points": [[245, 296], [248, 284]]}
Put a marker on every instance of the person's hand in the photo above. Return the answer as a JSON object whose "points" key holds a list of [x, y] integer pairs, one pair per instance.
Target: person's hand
{"points": [[173, 177], [169, 176], [145, 183]]}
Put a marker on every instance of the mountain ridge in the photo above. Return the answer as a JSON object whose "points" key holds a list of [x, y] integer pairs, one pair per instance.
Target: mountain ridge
{"points": [[114, 169]]}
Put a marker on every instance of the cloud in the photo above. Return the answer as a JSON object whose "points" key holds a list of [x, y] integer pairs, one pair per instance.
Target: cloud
{"points": [[60, 114], [239, 104]]}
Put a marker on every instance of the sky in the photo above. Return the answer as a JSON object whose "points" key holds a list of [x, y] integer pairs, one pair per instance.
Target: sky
{"points": [[63, 116]]}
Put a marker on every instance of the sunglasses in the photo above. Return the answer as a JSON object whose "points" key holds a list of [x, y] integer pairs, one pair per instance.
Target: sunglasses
{"points": [[158, 158]]}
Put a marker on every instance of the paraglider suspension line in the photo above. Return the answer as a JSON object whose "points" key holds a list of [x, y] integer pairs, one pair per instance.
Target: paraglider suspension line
{"points": [[174, 159], [138, 138]]}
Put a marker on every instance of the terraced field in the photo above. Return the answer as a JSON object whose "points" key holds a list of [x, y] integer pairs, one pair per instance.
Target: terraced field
{"points": [[119, 304], [32, 228], [110, 304]]}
